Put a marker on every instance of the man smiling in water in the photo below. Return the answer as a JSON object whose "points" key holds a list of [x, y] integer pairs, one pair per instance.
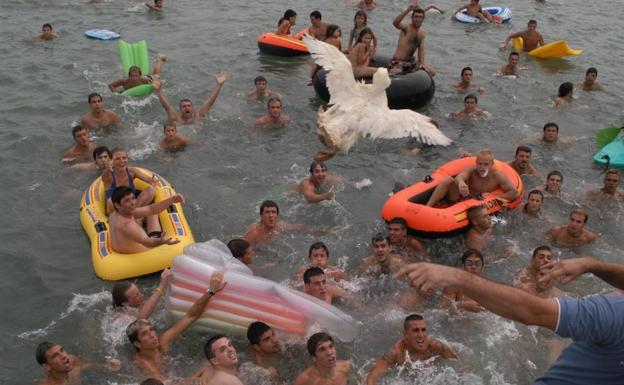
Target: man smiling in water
{"points": [[416, 343], [314, 188], [473, 181], [411, 41], [188, 114], [326, 369]]}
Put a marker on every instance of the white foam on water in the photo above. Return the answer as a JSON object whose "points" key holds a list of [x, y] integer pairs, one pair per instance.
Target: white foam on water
{"points": [[362, 183]]}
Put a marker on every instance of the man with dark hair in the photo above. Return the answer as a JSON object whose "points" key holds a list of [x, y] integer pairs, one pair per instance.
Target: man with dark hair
{"points": [[315, 284], [531, 38], [411, 41], [474, 9], [383, 261], [171, 139], [222, 365], [126, 235], [470, 108], [542, 255], [564, 96], [318, 256], [550, 132], [590, 83], [318, 186], [480, 232], [102, 157], [135, 77], [522, 161], [274, 116], [511, 68], [609, 190], [46, 33], [317, 28], [63, 368], [128, 298], [403, 244], [99, 117], [574, 233], [472, 262], [416, 343], [151, 349], [465, 84], [188, 114], [82, 147], [265, 348], [326, 369], [261, 90], [241, 250]]}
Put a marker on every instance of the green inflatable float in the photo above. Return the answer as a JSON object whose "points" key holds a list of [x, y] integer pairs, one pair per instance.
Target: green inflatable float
{"points": [[135, 54]]}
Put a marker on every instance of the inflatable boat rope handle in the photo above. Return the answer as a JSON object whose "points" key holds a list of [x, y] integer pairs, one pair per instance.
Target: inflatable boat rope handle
{"points": [[608, 158], [428, 179], [479, 197]]}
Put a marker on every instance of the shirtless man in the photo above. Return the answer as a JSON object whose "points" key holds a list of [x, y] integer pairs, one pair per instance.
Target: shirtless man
{"points": [[241, 250], [481, 230], [474, 9], [101, 160], [315, 284], [128, 298], [564, 97], [157, 7], [574, 233], [188, 114], [522, 161], [382, 261], [511, 68], [465, 84], [542, 288], [315, 187], [222, 366], [119, 174], [318, 256], [554, 180], [472, 262], [317, 28], [531, 39], [126, 235], [274, 116], [99, 117], [326, 369], [542, 255], [590, 83], [550, 132], [470, 108], [407, 246], [609, 191], [367, 4], [271, 225], [473, 181], [63, 368], [411, 41], [83, 146], [261, 89], [135, 77], [533, 205], [46, 33], [172, 141], [416, 343], [286, 23], [265, 348], [152, 349]]}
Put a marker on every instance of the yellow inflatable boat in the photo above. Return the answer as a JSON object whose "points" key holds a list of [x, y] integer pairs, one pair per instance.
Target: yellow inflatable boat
{"points": [[112, 266], [555, 49]]}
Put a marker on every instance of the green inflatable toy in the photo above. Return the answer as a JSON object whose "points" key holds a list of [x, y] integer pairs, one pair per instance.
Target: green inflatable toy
{"points": [[135, 54]]}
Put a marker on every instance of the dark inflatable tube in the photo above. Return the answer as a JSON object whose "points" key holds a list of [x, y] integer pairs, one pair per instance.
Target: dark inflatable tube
{"points": [[280, 45], [408, 90]]}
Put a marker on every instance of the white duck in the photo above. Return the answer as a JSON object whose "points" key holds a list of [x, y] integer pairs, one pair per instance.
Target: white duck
{"points": [[361, 110]]}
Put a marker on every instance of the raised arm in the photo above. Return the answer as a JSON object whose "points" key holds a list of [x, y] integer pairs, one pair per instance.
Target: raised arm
{"points": [[503, 300], [567, 270], [171, 112], [157, 207], [397, 22], [198, 308], [150, 305], [220, 78]]}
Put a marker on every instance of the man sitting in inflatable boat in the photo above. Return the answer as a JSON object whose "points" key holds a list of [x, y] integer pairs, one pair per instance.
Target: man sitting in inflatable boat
{"points": [[474, 181]]}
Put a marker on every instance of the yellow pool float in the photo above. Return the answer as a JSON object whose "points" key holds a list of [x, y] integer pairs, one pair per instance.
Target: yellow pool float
{"points": [[113, 266], [555, 49]]}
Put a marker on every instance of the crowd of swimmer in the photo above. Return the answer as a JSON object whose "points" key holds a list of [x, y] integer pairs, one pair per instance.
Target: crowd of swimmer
{"points": [[389, 252]]}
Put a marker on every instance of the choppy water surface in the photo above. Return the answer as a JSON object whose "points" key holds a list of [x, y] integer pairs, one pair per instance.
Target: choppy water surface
{"points": [[48, 287]]}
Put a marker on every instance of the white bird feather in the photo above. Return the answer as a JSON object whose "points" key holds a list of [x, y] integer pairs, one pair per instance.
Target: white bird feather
{"points": [[361, 110]]}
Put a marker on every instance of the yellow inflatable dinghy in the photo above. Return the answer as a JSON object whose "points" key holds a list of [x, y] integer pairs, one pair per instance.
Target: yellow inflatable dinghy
{"points": [[112, 266], [555, 49]]}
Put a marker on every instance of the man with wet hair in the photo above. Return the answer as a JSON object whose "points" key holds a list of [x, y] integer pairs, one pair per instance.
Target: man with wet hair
{"points": [[101, 160], [318, 256], [475, 180], [315, 187], [511, 68], [522, 161], [241, 250], [315, 284], [274, 116], [326, 369], [383, 261], [150, 348], [135, 77], [46, 33], [99, 117], [542, 255], [261, 90], [609, 190], [411, 41], [590, 83], [63, 368], [317, 27], [83, 146], [187, 113], [465, 84], [265, 348], [171, 139], [473, 262], [574, 233], [222, 365], [480, 232], [407, 246], [128, 298], [416, 343], [564, 96], [531, 38], [470, 108]]}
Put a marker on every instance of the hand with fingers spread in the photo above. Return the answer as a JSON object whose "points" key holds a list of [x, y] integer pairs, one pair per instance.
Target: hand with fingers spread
{"points": [[426, 277], [566, 270]]}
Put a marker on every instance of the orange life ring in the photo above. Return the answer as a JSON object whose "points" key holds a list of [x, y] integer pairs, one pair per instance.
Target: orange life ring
{"points": [[281, 45], [437, 222]]}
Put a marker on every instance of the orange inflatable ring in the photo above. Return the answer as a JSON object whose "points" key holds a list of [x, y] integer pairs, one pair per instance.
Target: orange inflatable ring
{"points": [[438, 222], [281, 45]]}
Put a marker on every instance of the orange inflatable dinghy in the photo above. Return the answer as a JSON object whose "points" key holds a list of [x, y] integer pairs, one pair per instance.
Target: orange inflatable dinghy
{"points": [[437, 222], [281, 45]]}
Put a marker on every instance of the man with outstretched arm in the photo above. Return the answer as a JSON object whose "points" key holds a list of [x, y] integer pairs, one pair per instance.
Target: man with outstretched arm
{"points": [[595, 324]]}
